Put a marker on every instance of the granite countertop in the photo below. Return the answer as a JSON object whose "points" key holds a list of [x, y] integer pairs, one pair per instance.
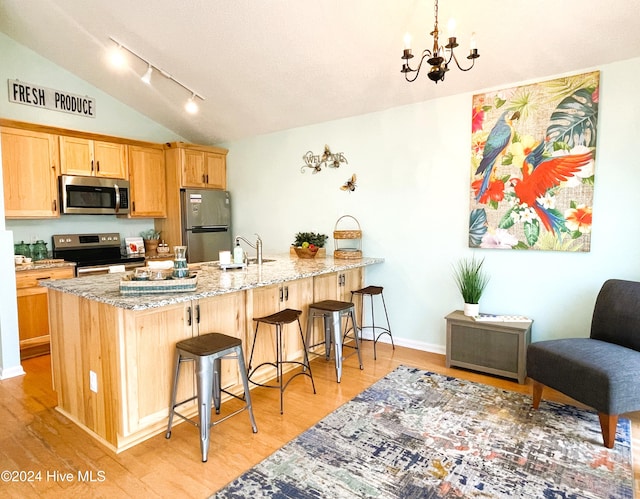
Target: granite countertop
{"points": [[212, 280], [43, 264]]}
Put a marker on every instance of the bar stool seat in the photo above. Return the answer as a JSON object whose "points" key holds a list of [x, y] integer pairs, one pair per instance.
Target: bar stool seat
{"points": [[332, 312], [207, 351], [372, 291], [279, 319]]}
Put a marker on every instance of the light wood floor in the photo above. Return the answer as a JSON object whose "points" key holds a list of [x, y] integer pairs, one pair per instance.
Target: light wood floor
{"points": [[36, 438]]}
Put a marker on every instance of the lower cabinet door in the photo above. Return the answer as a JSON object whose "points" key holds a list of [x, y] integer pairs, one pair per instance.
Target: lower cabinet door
{"points": [[150, 339]]}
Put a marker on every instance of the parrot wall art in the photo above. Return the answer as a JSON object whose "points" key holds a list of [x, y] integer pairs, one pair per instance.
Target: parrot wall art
{"points": [[532, 165]]}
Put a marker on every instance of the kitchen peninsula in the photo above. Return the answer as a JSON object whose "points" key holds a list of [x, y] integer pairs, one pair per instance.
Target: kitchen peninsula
{"points": [[112, 355]]}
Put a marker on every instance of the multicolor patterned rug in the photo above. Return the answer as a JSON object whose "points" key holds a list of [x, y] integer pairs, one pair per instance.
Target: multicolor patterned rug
{"points": [[416, 434]]}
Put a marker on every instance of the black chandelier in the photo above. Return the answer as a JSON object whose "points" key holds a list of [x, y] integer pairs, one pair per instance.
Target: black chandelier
{"points": [[437, 57]]}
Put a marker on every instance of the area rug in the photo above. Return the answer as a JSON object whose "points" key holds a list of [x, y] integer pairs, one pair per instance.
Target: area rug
{"points": [[416, 434]]}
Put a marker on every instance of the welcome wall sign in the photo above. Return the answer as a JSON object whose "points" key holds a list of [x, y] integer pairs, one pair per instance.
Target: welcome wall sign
{"points": [[47, 98]]}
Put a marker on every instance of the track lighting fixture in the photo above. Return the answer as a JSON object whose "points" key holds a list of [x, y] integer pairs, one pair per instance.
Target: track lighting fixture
{"points": [[191, 105]]}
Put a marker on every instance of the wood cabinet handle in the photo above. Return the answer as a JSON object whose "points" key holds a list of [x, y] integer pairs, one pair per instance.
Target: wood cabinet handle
{"points": [[286, 293], [98, 163], [207, 178], [91, 165], [198, 313], [204, 179], [55, 205], [188, 316], [133, 206], [43, 278], [281, 294]]}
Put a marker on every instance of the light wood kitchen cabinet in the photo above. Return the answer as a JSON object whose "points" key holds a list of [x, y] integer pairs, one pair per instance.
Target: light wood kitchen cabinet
{"points": [[150, 365], [33, 319], [203, 169], [147, 175], [30, 162], [131, 353], [80, 156], [268, 300]]}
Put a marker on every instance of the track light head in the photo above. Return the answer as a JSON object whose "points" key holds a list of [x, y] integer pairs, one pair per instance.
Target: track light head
{"points": [[191, 106], [146, 78]]}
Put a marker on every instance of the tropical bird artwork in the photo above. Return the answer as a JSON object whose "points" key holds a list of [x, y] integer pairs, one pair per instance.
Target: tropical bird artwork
{"points": [[533, 151], [497, 141], [539, 175]]}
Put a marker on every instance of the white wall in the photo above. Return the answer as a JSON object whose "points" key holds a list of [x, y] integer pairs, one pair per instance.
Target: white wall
{"points": [[413, 170], [112, 118]]}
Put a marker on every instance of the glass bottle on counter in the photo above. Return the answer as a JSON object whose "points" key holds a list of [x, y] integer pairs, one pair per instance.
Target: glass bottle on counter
{"points": [[180, 267]]}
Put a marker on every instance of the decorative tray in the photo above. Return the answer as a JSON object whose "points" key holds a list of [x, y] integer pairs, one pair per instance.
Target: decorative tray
{"points": [[129, 286]]}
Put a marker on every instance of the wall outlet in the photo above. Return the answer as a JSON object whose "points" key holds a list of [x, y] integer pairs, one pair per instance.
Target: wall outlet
{"points": [[93, 381]]}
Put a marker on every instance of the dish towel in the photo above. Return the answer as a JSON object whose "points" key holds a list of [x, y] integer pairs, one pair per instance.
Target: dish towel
{"points": [[116, 268]]}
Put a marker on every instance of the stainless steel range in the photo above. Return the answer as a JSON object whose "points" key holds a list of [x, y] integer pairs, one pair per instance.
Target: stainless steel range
{"points": [[93, 253]]}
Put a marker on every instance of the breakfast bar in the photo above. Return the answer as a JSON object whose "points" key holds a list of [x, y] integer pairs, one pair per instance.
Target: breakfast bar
{"points": [[112, 353]]}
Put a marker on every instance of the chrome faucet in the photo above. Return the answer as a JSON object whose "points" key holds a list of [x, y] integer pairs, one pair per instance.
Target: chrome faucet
{"points": [[257, 247]]}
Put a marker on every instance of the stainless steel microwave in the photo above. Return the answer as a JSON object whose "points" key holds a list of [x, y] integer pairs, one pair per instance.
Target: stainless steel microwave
{"points": [[94, 195]]}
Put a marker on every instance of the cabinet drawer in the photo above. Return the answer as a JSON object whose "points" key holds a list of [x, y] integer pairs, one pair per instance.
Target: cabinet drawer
{"points": [[31, 278]]}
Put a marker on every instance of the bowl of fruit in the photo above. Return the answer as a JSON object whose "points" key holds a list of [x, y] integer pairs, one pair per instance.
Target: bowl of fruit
{"points": [[307, 250], [307, 244]]}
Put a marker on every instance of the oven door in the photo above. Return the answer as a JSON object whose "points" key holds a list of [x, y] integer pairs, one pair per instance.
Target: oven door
{"points": [[93, 270]]}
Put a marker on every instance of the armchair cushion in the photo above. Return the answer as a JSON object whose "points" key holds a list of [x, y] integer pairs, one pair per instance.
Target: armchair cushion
{"points": [[602, 375]]}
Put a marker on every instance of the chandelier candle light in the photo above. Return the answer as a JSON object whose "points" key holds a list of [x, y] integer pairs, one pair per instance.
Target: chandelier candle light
{"points": [[437, 57]]}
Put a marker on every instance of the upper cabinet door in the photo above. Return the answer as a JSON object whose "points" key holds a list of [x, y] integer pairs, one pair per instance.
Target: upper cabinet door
{"points": [[147, 175], [216, 171], [30, 162], [92, 157], [76, 156], [193, 167], [110, 159]]}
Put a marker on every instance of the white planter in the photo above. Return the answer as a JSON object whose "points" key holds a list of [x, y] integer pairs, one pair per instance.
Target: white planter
{"points": [[471, 309]]}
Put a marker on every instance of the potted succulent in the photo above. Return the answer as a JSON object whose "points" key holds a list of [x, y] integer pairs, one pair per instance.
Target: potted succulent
{"points": [[151, 238], [307, 244], [472, 281]]}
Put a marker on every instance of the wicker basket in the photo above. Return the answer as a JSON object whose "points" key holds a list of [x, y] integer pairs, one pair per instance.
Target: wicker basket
{"points": [[341, 235], [305, 252]]}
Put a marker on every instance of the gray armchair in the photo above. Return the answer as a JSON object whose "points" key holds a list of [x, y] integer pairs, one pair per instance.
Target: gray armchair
{"points": [[602, 371]]}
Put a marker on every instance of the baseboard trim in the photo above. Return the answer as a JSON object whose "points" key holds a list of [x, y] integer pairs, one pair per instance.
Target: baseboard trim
{"points": [[11, 372]]}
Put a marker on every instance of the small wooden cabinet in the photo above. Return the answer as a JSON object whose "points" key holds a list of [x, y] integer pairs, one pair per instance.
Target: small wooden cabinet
{"points": [[30, 162], [203, 169], [80, 156], [490, 347], [33, 318], [147, 175]]}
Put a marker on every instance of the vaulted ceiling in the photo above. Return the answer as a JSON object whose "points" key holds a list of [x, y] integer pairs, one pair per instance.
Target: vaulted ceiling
{"points": [[269, 65]]}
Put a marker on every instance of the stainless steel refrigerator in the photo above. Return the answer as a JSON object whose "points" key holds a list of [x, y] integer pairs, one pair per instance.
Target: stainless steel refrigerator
{"points": [[206, 223]]}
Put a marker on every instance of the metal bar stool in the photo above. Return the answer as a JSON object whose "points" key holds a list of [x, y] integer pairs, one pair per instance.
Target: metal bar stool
{"points": [[332, 312], [372, 291], [207, 351], [279, 319]]}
